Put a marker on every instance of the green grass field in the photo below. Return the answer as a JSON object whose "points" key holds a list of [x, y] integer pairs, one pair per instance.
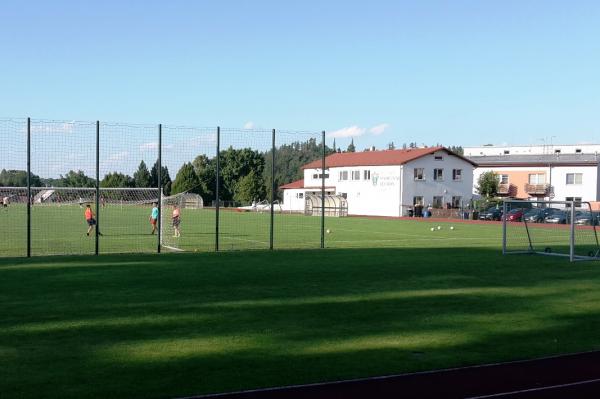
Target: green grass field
{"points": [[389, 297], [59, 230]]}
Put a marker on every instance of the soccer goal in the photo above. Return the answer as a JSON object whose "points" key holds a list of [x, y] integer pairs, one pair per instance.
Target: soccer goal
{"points": [[190, 206], [560, 228]]}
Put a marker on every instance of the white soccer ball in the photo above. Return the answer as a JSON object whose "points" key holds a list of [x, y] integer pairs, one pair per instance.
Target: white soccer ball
{"points": [[451, 227], [328, 231], [439, 227], [433, 229]]}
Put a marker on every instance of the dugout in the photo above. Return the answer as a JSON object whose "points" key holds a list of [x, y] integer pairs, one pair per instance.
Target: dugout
{"points": [[335, 205]]}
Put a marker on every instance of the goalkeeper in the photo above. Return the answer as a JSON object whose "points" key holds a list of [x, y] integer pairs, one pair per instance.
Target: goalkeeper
{"points": [[89, 218], [154, 217]]}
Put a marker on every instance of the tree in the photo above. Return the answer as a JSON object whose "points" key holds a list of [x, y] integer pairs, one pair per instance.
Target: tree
{"points": [[351, 147], [487, 184], [249, 188], [206, 170], [186, 180], [17, 178], [77, 179], [142, 177], [166, 179], [117, 179], [457, 150]]}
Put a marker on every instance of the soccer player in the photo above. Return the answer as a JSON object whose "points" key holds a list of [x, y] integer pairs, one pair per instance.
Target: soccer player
{"points": [[89, 217], [176, 220], [154, 217], [5, 202]]}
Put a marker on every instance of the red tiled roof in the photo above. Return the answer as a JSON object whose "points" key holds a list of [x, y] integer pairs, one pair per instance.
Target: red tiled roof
{"points": [[294, 184], [378, 158]]}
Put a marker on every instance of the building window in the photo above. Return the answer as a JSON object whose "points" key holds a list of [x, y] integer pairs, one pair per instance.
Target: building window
{"points": [[557, 151], [578, 151], [438, 174], [456, 174], [344, 195], [537, 178], [418, 200], [574, 178], [315, 176], [456, 201], [506, 152], [503, 179], [356, 175], [343, 175], [577, 201], [419, 174], [300, 195], [367, 175], [439, 157], [438, 201]]}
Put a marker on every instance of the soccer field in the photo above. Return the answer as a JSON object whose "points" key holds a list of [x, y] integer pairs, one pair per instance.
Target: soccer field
{"points": [[150, 326], [60, 230]]}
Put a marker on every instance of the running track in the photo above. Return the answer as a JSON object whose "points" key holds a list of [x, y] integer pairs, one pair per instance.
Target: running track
{"points": [[568, 376]]}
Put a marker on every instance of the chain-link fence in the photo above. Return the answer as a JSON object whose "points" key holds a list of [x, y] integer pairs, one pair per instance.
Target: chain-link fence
{"points": [[71, 187]]}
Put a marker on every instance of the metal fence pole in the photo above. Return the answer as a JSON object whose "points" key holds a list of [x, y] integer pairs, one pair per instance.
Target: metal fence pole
{"points": [[323, 191], [272, 188], [159, 183], [97, 187], [572, 232], [28, 187], [218, 168], [504, 209]]}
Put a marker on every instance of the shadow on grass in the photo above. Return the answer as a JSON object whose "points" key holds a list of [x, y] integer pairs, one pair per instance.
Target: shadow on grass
{"points": [[175, 325]]}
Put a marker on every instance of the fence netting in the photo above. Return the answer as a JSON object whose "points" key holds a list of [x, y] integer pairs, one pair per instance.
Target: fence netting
{"points": [[13, 187], [189, 188], [148, 188], [129, 189]]}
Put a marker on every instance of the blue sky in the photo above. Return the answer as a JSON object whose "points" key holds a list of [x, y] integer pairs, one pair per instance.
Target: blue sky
{"points": [[450, 72]]}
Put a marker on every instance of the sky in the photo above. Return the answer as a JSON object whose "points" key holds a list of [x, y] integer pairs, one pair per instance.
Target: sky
{"points": [[449, 72]]}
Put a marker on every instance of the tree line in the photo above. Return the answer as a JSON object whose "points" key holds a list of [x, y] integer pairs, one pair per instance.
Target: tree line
{"points": [[245, 174]]}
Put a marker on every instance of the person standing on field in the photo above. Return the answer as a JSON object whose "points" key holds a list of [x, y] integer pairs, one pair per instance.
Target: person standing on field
{"points": [[154, 217], [90, 219], [176, 221]]}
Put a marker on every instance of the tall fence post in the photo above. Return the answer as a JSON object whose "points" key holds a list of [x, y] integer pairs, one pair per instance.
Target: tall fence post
{"points": [[218, 178], [96, 250], [272, 189], [28, 187], [323, 191], [159, 184]]}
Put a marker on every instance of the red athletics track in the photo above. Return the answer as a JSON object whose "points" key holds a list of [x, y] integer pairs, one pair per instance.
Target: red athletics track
{"points": [[566, 376]]}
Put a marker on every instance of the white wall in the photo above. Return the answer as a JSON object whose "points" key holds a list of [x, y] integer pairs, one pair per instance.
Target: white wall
{"points": [[291, 200], [429, 188], [587, 190]]}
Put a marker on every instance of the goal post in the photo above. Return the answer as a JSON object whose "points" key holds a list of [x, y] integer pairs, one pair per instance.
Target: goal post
{"points": [[555, 228]]}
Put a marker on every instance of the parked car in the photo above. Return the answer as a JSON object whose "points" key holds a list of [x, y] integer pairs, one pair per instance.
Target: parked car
{"points": [[587, 218], [492, 213], [537, 215], [515, 215], [561, 217]]}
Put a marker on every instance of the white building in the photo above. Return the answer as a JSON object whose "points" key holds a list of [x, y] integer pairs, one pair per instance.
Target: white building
{"points": [[493, 150], [387, 183], [560, 176]]}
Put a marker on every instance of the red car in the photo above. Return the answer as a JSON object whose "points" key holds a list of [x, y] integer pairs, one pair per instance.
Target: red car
{"points": [[515, 215]]}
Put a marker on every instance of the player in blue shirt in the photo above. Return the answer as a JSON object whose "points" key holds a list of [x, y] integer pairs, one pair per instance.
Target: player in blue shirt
{"points": [[154, 217]]}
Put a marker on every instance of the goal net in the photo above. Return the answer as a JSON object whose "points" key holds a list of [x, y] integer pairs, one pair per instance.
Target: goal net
{"points": [[190, 206], [561, 228]]}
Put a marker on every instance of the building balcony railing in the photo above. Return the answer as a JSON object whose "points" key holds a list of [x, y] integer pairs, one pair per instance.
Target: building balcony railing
{"points": [[507, 189], [537, 189]]}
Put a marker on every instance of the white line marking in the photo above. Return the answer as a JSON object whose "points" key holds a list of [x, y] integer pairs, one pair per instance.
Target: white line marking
{"points": [[497, 395], [172, 248]]}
